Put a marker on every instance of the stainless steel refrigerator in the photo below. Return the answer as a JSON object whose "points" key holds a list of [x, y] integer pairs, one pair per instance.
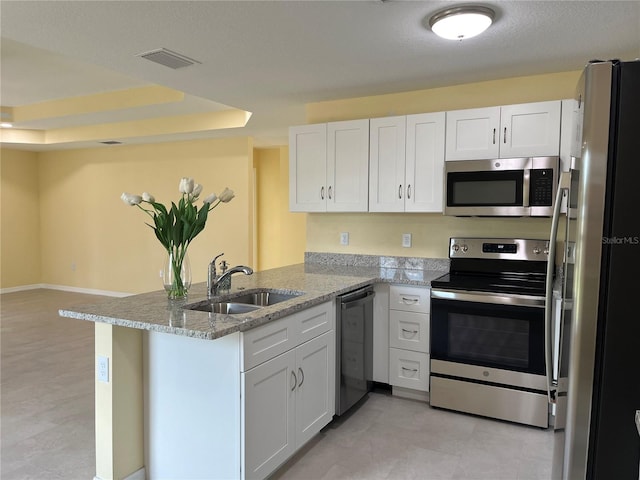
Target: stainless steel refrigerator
{"points": [[597, 388]]}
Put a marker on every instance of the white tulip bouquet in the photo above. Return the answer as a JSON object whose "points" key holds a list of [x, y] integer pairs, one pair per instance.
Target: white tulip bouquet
{"points": [[177, 226]]}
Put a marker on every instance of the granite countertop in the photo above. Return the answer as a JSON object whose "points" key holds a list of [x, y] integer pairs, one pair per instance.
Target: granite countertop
{"points": [[318, 282]]}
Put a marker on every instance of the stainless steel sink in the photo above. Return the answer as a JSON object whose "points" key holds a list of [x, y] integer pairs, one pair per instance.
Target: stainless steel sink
{"points": [[263, 298], [229, 308], [243, 302]]}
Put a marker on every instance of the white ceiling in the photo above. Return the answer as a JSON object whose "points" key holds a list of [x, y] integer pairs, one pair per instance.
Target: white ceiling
{"points": [[273, 57]]}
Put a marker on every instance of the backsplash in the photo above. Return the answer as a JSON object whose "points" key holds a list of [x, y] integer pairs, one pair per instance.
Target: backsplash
{"points": [[356, 260]]}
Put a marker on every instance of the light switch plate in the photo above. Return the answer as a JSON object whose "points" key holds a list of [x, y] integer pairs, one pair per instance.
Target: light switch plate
{"points": [[344, 238], [406, 240]]}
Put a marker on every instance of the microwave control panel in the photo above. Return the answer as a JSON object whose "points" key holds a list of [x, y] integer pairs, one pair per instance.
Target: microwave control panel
{"points": [[541, 187]]}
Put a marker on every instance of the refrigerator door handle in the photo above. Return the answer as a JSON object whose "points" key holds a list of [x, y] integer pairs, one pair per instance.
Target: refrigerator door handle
{"points": [[563, 186]]}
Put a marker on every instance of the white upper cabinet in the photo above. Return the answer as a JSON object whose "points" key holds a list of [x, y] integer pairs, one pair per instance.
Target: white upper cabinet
{"points": [[348, 166], [328, 167], [387, 164], [424, 173], [406, 163], [307, 168], [523, 130]]}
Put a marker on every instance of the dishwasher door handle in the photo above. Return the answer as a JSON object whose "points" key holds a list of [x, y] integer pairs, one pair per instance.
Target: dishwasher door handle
{"points": [[358, 302]]}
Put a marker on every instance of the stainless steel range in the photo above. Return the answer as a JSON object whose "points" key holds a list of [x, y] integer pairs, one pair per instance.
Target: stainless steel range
{"points": [[488, 330]]}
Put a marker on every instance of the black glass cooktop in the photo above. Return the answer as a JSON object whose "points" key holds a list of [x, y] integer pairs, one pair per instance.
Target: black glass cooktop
{"points": [[517, 284]]}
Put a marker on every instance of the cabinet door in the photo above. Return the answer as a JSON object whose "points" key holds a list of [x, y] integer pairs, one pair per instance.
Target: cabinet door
{"points": [[315, 397], [473, 134], [269, 392], [386, 164], [348, 166], [308, 168], [424, 174], [530, 129]]}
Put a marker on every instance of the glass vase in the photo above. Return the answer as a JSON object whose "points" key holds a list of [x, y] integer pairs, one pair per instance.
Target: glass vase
{"points": [[176, 274]]}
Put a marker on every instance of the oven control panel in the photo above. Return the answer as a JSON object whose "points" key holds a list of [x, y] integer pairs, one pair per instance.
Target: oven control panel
{"points": [[499, 248]]}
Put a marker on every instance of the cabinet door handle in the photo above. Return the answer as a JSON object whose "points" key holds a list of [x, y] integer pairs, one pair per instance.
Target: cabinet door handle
{"points": [[410, 369], [410, 331], [504, 137], [301, 377], [494, 136], [295, 380], [400, 191], [330, 193], [408, 191], [322, 193]]}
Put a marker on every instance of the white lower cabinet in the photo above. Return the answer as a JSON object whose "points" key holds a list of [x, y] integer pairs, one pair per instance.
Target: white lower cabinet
{"points": [[287, 400], [409, 339], [239, 406]]}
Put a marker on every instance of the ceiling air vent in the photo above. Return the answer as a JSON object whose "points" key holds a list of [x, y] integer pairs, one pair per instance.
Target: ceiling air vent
{"points": [[168, 58]]}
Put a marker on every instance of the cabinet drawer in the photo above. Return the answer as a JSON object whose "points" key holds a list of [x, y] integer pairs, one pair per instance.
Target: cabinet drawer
{"points": [[409, 299], [409, 369], [314, 321], [409, 330], [265, 342]]}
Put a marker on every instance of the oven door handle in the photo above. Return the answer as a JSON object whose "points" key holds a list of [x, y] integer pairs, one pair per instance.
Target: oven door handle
{"points": [[563, 186], [489, 297]]}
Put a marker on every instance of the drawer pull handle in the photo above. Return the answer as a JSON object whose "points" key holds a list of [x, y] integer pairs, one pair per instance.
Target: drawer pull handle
{"points": [[409, 300], [410, 369], [295, 380], [301, 377], [410, 331]]}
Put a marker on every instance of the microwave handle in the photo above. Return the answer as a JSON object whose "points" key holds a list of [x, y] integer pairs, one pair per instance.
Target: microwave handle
{"points": [[525, 187], [563, 186]]}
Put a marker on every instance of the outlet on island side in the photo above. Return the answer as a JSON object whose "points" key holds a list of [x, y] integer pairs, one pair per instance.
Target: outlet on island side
{"points": [[103, 369], [344, 238]]}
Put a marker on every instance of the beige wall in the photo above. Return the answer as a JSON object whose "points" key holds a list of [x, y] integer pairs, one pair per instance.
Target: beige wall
{"points": [[20, 214], [91, 239], [281, 234], [73, 230], [381, 234]]}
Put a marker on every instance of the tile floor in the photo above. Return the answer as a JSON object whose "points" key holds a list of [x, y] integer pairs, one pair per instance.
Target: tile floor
{"points": [[47, 429]]}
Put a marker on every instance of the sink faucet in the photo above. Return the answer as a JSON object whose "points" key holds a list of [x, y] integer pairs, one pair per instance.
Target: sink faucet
{"points": [[214, 280]]}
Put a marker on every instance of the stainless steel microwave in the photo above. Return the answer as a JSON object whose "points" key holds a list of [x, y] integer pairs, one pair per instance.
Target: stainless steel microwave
{"points": [[505, 187]]}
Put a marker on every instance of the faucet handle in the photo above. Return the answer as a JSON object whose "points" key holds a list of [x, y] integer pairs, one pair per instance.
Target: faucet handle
{"points": [[213, 262]]}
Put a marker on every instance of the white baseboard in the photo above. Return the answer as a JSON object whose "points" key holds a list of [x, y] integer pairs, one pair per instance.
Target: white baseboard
{"points": [[66, 288], [137, 475]]}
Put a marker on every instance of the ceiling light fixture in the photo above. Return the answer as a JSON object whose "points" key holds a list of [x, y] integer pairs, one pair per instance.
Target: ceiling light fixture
{"points": [[459, 23]]}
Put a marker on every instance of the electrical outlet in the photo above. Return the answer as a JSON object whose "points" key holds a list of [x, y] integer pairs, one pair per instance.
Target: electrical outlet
{"points": [[344, 238], [406, 240], [103, 369], [73, 266]]}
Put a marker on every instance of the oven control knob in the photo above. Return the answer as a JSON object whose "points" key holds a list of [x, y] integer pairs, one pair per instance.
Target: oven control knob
{"points": [[537, 250], [455, 247], [465, 248]]}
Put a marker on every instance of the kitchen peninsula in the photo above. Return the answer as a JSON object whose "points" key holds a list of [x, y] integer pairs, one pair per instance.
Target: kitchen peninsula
{"points": [[186, 374]]}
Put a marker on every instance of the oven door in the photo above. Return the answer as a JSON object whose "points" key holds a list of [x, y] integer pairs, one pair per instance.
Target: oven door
{"points": [[487, 356], [488, 330]]}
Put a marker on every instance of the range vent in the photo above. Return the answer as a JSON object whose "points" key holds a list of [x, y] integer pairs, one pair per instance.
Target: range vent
{"points": [[168, 58]]}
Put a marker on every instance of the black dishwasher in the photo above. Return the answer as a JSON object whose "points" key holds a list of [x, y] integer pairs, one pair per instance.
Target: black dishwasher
{"points": [[354, 347]]}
